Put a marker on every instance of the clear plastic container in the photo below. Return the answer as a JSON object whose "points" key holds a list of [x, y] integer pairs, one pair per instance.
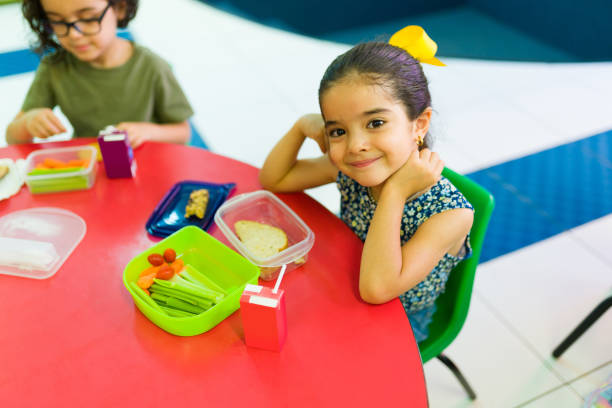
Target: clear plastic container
{"points": [[34, 243], [77, 178], [264, 207]]}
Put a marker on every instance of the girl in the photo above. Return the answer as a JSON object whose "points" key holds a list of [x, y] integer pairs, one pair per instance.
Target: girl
{"points": [[97, 78], [373, 131]]}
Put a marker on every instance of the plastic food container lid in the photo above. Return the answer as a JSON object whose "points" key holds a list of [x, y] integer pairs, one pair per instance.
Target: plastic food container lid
{"points": [[34, 243], [264, 207]]}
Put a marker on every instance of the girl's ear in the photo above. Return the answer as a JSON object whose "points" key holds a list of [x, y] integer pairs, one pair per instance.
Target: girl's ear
{"points": [[421, 124]]}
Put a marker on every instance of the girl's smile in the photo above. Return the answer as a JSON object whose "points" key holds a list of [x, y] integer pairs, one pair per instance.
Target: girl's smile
{"points": [[363, 163]]}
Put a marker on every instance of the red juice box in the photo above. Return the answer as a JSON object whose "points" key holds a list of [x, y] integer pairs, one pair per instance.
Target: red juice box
{"points": [[264, 319]]}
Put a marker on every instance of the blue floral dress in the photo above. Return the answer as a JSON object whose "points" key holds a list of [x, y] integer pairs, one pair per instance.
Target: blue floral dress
{"points": [[357, 209]]}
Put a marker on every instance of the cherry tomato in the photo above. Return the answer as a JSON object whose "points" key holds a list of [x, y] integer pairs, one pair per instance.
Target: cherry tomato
{"points": [[155, 259], [169, 255], [165, 272]]}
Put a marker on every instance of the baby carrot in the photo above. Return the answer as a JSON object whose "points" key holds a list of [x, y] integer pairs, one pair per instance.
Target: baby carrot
{"points": [[145, 281], [52, 163], [150, 270], [177, 265]]}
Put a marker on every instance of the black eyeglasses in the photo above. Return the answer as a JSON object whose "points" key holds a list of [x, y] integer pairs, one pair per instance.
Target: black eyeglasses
{"points": [[85, 26]]}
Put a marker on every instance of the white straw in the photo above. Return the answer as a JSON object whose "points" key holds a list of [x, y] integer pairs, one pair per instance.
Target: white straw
{"points": [[279, 279]]}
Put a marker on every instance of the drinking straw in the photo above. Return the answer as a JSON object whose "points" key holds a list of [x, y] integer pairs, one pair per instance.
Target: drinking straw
{"points": [[279, 279]]}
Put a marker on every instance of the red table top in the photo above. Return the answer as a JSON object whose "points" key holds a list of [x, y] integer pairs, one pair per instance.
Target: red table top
{"points": [[76, 339]]}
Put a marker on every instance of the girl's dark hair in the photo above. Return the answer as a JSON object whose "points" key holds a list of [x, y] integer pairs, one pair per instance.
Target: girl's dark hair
{"points": [[37, 18], [388, 66]]}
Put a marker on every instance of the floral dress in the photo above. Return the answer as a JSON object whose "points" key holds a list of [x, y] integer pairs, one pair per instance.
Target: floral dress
{"points": [[357, 209]]}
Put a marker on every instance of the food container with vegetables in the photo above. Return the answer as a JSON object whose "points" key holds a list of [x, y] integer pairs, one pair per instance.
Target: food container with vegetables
{"points": [[266, 231], [189, 282], [61, 169]]}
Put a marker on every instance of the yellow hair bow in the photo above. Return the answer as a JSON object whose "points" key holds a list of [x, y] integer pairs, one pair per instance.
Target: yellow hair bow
{"points": [[417, 43]]}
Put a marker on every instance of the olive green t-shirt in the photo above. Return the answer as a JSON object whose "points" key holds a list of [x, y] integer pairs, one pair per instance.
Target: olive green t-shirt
{"points": [[143, 89]]}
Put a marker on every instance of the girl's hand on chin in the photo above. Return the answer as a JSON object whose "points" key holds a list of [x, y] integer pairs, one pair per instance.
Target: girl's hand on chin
{"points": [[422, 170]]}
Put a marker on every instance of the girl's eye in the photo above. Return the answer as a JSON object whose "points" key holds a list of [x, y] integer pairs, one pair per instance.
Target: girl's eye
{"points": [[376, 123], [336, 132]]}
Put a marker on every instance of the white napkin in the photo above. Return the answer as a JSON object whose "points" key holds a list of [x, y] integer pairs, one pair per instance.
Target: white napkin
{"points": [[12, 182], [27, 254]]}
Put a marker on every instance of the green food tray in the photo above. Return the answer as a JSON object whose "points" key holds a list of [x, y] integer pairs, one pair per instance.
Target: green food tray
{"points": [[216, 261]]}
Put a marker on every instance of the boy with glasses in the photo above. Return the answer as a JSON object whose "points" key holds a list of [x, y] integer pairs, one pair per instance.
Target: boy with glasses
{"points": [[97, 78]]}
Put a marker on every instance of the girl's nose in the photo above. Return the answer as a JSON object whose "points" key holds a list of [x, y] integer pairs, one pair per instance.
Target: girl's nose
{"points": [[74, 33], [358, 142]]}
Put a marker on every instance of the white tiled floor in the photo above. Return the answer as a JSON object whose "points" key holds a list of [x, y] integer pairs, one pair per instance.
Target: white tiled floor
{"points": [[248, 83]]}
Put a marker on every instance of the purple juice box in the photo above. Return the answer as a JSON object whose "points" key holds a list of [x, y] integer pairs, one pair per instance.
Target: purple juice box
{"points": [[117, 153]]}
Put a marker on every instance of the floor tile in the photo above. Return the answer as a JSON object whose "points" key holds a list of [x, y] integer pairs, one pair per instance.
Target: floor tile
{"points": [[494, 131], [597, 236], [542, 292], [560, 104], [587, 384], [500, 367], [563, 397]]}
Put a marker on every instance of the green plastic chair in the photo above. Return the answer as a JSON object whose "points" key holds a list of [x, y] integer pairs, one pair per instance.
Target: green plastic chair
{"points": [[452, 306]]}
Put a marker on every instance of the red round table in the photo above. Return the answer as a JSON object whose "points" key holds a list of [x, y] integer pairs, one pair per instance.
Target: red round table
{"points": [[77, 340]]}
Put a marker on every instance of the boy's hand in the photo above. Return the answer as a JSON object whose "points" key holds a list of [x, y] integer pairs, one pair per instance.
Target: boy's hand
{"points": [[42, 123], [313, 127], [137, 132], [421, 171]]}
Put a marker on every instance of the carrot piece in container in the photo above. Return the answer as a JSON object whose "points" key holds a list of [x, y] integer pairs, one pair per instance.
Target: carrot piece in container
{"points": [[77, 163], [145, 281], [150, 270], [177, 265], [52, 163]]}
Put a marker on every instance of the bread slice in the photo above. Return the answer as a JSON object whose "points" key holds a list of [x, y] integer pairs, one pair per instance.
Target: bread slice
{"points": [[3, 171], [262, 240]]}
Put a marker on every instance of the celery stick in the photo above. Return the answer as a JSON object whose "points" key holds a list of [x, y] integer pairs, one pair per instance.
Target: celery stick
{"points": [[144, 297], [175, 303], [194, 275], [205, 303], [197, 286], [173, 293], [175, 312], [188, 289], [158, 297], [36, 172], [187, 307]]}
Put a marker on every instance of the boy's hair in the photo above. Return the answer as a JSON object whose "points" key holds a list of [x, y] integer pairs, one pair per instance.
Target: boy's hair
{"points": [[37, 18], [388, 66]]}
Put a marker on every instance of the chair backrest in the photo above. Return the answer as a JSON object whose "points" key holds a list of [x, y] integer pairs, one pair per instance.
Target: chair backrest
{"points": [[452, 306]]}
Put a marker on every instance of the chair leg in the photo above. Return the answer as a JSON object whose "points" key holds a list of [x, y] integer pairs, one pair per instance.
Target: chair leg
{"points": [[449, 363], [583, 326]]}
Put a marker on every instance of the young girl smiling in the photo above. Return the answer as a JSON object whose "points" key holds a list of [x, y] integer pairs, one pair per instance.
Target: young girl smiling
{"points": [[373, 132]]}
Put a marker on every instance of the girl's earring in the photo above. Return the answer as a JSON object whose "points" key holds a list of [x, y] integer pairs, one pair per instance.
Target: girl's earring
{"points": [[420, 141]]}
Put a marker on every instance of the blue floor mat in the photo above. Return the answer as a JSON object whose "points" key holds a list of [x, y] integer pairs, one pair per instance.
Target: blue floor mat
{"points": [[546, 193]]}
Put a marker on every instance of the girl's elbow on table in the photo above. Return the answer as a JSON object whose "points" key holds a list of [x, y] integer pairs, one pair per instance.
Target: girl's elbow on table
{"points": [[376, 293]]}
